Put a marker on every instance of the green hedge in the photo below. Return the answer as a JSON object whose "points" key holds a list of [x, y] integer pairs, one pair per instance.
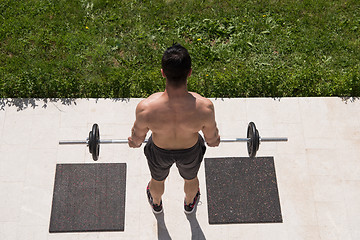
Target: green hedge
{"points": [[111, 48]]}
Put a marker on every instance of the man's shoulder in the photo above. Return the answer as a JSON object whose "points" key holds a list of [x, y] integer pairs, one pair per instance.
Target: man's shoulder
{"points": [[152, 97], [145, 103], [201, 99], [203, 103], [155, 95]]}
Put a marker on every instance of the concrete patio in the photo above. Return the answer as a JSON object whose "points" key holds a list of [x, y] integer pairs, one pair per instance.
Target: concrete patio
{"points": [[318, 169]]}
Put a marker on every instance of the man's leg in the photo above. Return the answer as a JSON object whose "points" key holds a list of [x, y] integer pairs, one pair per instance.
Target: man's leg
{"points": [[191, 187], [156, 190]]}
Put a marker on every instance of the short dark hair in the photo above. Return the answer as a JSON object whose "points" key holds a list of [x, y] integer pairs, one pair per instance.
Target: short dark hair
{"points": [[176, 64]]}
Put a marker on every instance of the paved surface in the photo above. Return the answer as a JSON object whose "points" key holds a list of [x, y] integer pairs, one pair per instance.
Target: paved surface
{"points": [[318, 170]]}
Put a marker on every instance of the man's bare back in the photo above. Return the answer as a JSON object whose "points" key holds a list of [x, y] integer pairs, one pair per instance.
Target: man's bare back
{"points": [[176, 120]]}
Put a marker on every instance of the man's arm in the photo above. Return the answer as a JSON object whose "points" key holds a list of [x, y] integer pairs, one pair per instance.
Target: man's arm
{"points": [[140, 129], [211, 132]]}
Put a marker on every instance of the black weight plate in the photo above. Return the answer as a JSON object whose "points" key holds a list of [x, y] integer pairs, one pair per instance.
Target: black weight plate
{"points": [[257, 137], [253, 143], [95, 147], [97, 137], [250, 141], [90, 141]]}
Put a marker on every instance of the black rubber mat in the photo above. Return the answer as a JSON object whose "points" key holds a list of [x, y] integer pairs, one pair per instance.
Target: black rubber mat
{"points": [[89, 197], [242, 190]]}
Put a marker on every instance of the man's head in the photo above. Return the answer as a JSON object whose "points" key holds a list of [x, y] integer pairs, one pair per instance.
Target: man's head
{"points": [[176, 65]]}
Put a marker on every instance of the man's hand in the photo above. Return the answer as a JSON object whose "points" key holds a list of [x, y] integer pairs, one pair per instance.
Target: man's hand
{"points": [[132, 143], [214, 143]]}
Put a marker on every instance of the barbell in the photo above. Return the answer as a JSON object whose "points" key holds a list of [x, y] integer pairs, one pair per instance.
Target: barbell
{"points": [[253, 140]]}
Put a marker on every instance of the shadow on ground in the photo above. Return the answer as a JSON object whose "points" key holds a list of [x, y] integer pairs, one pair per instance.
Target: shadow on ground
{"points": [[196, 231], [349, 99], [163, 233], [24, 103]]}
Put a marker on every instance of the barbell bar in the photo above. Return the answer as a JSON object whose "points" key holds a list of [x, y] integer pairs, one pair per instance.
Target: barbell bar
{"points": [[253, 140]]}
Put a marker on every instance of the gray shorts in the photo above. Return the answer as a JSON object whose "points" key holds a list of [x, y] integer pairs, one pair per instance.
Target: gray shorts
{"points": [[187, 161]]}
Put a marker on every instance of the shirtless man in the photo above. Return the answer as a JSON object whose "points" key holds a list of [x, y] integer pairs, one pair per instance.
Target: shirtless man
{"points": [[175, 118]]}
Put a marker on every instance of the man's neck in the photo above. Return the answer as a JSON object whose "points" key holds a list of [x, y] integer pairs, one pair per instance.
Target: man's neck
{"points": [[176, 92]]}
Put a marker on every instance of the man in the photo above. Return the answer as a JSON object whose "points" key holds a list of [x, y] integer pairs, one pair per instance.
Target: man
{"points": [[175, 118]]}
